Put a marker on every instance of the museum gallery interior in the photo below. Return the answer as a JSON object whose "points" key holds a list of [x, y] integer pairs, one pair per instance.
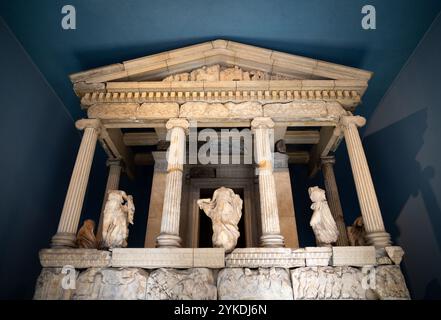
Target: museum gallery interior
{"points": [[224, 170]]}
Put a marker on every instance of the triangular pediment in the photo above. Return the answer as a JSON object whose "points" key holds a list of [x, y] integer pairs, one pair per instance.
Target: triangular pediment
{"points": [[272, 65]]}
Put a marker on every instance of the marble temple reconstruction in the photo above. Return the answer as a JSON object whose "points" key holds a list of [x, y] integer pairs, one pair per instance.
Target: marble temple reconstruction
{"points": [[225, 119]]}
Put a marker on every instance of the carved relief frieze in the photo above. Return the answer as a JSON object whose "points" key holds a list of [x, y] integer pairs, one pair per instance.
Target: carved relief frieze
{"points": [[224, 73]]}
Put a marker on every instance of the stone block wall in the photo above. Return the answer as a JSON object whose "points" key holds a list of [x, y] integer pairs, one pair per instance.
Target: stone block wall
{"points": [[302, 283]]}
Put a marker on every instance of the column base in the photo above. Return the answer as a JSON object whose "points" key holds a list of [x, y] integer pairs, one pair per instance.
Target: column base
{"points": [[378, 239], [166, 240], [64, 240], [272, 241]]}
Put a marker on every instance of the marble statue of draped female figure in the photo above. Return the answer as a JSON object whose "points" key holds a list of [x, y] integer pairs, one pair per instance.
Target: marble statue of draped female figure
{"points": [[225, 211], [118, 214], [322, 221]]}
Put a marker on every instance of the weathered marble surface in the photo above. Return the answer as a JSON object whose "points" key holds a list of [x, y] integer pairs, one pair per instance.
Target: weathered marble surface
{"points": [[318, 110], [335, 283], [390, 283], [49, 285], [395, 253], [78, 258], [318, 256], [182, 258], [317, 283], [111, 284], [266, 258], [353, 256], [260, 284], [190, 284], [220, 111], [222, 73]]}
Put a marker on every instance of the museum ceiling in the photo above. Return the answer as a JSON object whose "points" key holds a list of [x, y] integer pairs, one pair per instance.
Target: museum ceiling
{"points": [[113, 31]]}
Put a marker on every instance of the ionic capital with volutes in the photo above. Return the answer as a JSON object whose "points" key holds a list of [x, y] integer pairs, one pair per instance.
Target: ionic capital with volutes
{"points": [[88, 123], [178, 123], [262, 123], [358, 121]]}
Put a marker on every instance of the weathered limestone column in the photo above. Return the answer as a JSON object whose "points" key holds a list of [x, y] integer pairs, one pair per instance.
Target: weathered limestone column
{"points": [[333, 198], [370, 210], [169, 236], [73, 204], [271, 236], [115, 168]]}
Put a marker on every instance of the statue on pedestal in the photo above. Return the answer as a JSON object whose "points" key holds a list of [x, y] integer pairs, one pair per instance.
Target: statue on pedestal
{"points": [[322, 221], [225, 211], [118, 214]]}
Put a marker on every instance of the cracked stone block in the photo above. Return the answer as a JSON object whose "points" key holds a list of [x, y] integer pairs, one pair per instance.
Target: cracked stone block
{"points": [[390, 283], [111, 284], [260, 284], [189, 284], [49, 285]]}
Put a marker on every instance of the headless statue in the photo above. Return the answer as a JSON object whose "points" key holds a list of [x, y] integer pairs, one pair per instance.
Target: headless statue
{"points": [[86, 236], [322, 221], [225, 211], [118, 214]]}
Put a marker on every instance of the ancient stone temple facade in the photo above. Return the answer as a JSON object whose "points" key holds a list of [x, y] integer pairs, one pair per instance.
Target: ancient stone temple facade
{"points": [[224, 120]]}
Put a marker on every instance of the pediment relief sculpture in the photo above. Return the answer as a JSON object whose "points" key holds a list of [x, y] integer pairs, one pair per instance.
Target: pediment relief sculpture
{"points": [[223, 73]]}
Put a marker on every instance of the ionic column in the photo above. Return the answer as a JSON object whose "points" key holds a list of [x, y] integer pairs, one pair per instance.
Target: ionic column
{"points": [[169, 235], [115, 167], [333, 198], [271, 236], [370, 210], [73, 203]]}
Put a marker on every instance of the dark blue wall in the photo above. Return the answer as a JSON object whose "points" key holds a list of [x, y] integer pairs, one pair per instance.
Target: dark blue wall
{"points": [[403, 146], [38, 146]]}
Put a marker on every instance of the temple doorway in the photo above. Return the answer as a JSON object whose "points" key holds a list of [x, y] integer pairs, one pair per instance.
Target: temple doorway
{"points": [[198, 227]]}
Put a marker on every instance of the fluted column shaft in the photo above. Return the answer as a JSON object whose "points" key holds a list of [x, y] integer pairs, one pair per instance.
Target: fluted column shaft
{"points": [[333, 198], [373, 221], [115, 167], [169, 235], [271, 236], [73, 203]]}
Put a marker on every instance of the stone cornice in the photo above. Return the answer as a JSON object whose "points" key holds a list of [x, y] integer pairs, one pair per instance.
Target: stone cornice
{"points": [[348, 97], [222, 52]]}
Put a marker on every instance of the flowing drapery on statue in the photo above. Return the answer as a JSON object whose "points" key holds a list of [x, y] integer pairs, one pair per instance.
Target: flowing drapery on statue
{"points": [[225, 211], [118, 214], [322, 222]]}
